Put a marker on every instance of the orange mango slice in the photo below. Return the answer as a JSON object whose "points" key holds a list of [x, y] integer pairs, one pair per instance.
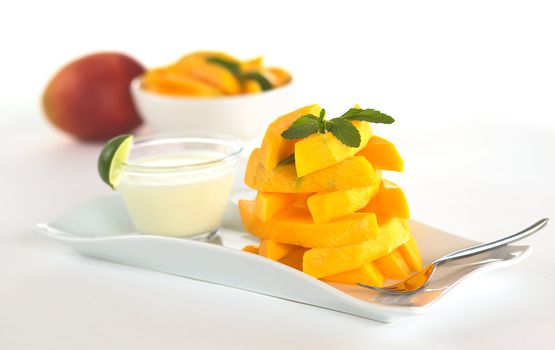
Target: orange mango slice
{"points": [[351, 173], [368, 274], [319, 151], [411, 254], [389, 201], [393, 266], [382, 154], [268, 204], [250, 249], [275, 148], [295, 258], [295, 226], [197, 67], [279, 77], [164, 81], [273, 250], [322, 262]]}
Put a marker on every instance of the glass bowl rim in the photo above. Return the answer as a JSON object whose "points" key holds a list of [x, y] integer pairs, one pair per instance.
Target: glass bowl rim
{"points": [[147, 140]]}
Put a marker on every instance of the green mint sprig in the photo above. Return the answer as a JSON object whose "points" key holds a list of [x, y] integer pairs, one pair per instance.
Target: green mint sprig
{"points": [[288, 160], [341, 127], [235, 69]]}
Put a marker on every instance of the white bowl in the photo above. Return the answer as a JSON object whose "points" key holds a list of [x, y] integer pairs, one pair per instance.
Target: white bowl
{"points": [[243, 116]]}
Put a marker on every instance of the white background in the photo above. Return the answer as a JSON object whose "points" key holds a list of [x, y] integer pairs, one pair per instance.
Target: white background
{"points": [[471, 84]]}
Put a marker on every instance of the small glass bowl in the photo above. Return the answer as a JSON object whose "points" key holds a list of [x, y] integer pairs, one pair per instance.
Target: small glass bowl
{"points": [[179, 184]]}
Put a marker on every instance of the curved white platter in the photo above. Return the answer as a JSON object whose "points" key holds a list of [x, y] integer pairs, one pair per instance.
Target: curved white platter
{"points": [[101, 228]]}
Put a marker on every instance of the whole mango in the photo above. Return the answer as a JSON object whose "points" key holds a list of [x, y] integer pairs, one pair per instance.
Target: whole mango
{"points": [[90, 99]]}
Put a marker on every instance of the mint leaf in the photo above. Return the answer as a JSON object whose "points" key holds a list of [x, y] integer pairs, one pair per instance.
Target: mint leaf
{"points": [[290, 159], [259, 78], [304, 126], [235, 69], [231, 66], [344, 131], [350, 112], [342, 127], [368, 115]]}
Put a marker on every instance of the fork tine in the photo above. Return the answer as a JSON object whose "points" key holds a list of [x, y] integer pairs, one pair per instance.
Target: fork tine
{"points": [[377, 289]]}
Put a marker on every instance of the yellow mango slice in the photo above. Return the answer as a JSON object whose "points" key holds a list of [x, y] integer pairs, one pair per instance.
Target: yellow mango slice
{"points": [[251, 87], [319, 151], [350, 173], [321, 262], [390, 201], [275, 148], [411, 255], [329, 206], [206, 54], [250, 249], [273, 250], [393, 266], [382, 154], [295, 258], [268, 204], [368, 274], [295, 226]]}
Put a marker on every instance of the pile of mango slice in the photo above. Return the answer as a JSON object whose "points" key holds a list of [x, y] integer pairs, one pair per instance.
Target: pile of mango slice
{"points": [[195, 75], [329, 213]]}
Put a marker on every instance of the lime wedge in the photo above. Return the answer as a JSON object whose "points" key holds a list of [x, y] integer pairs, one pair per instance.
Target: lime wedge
{"points": [[112, 157]]}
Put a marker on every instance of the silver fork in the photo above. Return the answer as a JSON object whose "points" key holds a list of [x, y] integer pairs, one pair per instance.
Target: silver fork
{"points": [[420, 280]]}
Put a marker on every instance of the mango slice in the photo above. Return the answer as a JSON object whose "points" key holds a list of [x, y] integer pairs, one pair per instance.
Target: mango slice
{"points": [[279, 77], [295, 226], [162, 80], [393, 266], [295, 258], [251, 87], [268, 204], [273, 250], [253, 64], [411, 254], [389, 201], [350, 173], [329, 206], [382, 154], [368, 274], [197, 67], [320, 151], [322, 262], [275, 148], [206, 53], [250, 249]]}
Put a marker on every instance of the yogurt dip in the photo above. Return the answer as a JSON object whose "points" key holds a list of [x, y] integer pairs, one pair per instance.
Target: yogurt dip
{"points": [[179, 185]]}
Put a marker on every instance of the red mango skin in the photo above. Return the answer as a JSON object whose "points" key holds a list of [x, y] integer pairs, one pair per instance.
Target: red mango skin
{"points": [[90, 99]]}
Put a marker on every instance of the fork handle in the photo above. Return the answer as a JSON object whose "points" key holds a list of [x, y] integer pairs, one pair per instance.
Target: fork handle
{"points": [[494, 244]]}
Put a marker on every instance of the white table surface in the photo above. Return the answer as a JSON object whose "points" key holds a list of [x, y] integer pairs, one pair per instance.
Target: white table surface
{"points": [[471, 86]]}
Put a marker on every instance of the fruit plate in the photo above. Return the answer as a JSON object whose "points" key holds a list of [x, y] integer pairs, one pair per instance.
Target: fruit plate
{"points": [[102, 229]]}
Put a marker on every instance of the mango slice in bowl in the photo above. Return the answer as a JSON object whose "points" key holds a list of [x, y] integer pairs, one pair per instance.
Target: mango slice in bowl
{"points": [[214, 74]]}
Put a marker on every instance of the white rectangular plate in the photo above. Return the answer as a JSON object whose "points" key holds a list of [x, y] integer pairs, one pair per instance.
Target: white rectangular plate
{"points": [[101, 228]]}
